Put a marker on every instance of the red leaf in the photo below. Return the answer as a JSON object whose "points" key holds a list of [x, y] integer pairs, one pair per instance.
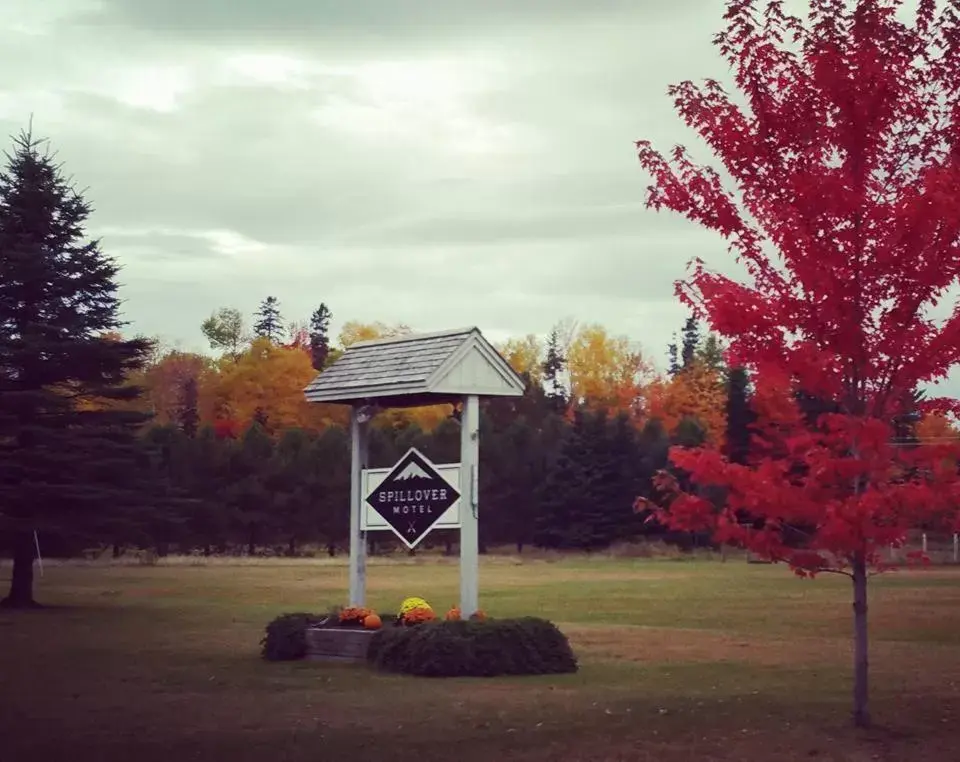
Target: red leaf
{"points": [[844, 211]]}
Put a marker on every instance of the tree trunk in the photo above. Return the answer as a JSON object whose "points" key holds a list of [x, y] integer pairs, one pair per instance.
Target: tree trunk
{"points": [[117, 550], [861, 709], [292, 547], [331, 549], [21, 583]]}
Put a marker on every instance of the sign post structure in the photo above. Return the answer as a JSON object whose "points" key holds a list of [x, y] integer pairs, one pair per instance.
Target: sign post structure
{"points": [[358, 540], [469, 524], [446, 367]]}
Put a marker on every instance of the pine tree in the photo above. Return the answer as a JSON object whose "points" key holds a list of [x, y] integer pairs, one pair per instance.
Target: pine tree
{"points": [[70, 464], [672, 355], [249, 495], [320, 336], [739, 416], [586, 499], [269, 321], [188, 415], [691, 342], [710, 355], [565, 490], [553, 366]]}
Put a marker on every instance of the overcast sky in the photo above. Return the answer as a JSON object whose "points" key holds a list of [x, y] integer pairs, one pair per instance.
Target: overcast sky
{"points": [[440, 164], [437, 163]]}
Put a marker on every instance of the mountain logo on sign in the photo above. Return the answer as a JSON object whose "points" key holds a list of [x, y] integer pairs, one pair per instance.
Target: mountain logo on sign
{"points": [[412, 471], [412, 497]]}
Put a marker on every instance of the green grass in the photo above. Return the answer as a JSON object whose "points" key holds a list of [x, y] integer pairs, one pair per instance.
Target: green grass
{"points": [[679, 661]]}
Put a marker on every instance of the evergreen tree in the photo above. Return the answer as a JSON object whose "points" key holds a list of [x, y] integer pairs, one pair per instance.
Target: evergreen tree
{"points": [[710, 355], [587, 497], [320, 336], [188, 414], [249, 495], [553, 367], [292, 486], [269, 322], [674, 367], [331, 490], [739, 416], [691, 342], [689, 432], [70, 464], [565, 490], [619, 483]]}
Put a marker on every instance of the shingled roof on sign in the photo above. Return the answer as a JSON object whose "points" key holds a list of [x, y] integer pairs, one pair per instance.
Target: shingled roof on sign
{"points": [[417, 369]]}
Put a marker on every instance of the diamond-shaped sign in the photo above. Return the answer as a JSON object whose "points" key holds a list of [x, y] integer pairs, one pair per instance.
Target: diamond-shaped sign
{"points": [[412, 497]]}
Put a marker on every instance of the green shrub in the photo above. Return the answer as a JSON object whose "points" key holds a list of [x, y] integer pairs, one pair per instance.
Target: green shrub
{"points": [[286, 637], [526, 646]]}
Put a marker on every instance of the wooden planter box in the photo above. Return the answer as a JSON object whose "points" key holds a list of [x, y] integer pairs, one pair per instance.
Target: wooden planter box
{"points": [[333, 644]]}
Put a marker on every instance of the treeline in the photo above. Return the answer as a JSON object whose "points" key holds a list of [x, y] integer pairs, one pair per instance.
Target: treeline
{"points": [[107, 440], [552, 475], [264, 472]]}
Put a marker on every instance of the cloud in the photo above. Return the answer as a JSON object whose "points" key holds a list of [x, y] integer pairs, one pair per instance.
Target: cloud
{"points": [[440, 164]]}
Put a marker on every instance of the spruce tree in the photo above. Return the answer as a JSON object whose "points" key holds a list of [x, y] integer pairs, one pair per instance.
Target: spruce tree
{"points": [[672, 356], [553, 366], [70, 465], [188, 414], [739, 416], [320, 336], [691, 342], [269, 321], [710, 355]]}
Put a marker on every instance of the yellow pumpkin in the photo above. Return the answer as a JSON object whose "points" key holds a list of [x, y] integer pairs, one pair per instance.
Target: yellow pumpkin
{"points": [[372, 622]]}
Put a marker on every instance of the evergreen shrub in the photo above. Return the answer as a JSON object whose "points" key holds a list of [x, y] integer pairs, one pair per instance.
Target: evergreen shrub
{"points": [[286, 637], [472, 648]]}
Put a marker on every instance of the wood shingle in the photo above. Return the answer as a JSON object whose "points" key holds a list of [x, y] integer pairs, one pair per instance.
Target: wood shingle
{"points": [[417, 369]]}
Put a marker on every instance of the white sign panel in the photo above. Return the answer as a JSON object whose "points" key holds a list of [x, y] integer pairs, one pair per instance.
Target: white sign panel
{"points": [[372, 521]]}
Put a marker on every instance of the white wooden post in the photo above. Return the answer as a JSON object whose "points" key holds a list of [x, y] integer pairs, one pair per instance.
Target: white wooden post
{"points": [[469, 502], [924, 542], [956, 548], [358, 544]]}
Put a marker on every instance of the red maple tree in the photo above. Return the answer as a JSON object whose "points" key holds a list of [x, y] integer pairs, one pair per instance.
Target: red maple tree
{"points": [[842, 202]]}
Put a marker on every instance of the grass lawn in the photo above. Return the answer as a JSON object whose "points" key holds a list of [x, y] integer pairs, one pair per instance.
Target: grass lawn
{"points": [[679, 661]]}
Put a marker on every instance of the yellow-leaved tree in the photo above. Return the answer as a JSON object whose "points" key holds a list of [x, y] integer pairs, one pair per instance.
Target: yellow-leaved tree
{"points": [[525, 355], [266, 384], [606, 371]]}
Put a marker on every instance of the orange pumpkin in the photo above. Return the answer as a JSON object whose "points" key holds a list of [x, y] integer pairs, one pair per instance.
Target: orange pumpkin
{"points": [[453, 615], [478, 616], [372, 622]]}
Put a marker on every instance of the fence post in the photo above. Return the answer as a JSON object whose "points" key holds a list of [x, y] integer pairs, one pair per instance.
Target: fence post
{"points": [[924, 543], [956, 548]]}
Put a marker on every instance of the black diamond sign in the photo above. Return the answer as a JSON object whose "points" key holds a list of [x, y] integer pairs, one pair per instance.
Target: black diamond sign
{"points": [[412, 497]]}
